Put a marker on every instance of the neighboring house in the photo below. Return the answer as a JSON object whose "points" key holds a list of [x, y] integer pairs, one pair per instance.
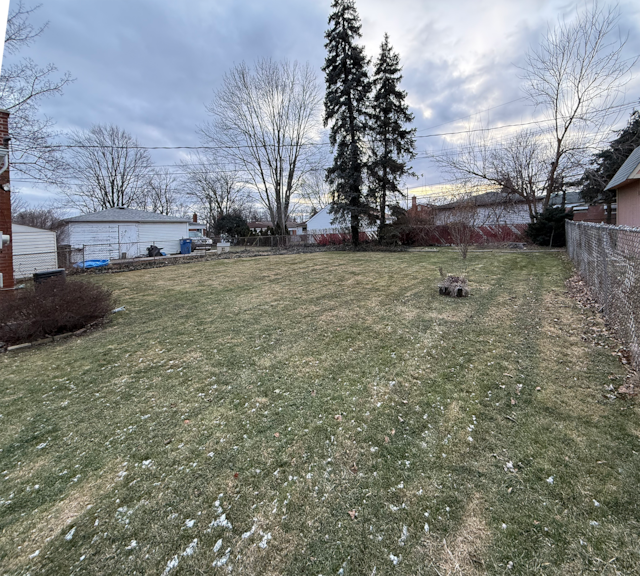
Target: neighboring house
{"points": [[320, 223], [626, 183], [294, 228], [583, 212], [421, 213], [488, 209], [321, 231], [34, 250], [297, 228], [115, 232], [195, 226], [257, 227]]}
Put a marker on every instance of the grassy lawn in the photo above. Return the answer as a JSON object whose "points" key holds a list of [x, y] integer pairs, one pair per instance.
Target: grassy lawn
{"points": [[240, 412]]}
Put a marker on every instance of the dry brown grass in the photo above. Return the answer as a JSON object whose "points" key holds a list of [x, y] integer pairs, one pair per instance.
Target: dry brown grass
{"points": [[464, 553], [51, 522], [369, 334]]}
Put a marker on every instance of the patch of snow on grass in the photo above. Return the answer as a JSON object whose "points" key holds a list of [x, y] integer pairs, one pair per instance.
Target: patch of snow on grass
{"points": [[191, 548], [171, 565], [222, 561], [405, 534], [265, 539], [249, 533]]}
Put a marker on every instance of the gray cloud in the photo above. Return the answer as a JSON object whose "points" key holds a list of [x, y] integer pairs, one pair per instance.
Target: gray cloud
{"points": [[150, 65]]}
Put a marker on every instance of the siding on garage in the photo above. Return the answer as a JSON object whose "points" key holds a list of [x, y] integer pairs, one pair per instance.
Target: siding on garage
{"points": [[99, 239], [103, 239], [165, 236], [34, 250]]}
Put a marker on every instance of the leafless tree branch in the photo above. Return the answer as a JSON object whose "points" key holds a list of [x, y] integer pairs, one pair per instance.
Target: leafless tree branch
{"points": [[267, 118]]}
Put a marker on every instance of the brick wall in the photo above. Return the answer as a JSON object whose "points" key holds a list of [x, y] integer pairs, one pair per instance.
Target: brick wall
{"points": [[596, 213], [6, 254]]}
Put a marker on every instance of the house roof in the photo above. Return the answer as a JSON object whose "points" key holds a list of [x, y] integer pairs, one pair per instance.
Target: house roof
{"points": [[485, 199], [572, 198], [625, 171], [125, 215], [265, 224], [22, 228]]}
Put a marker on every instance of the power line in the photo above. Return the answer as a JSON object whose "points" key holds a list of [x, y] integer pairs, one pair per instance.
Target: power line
{"points": [[607, 111], [474, 114]]}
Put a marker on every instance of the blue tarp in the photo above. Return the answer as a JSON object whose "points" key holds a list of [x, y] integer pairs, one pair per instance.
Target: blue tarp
{"points": [[91, 264]]}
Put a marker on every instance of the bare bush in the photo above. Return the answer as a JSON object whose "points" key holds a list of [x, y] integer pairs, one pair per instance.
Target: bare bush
{"points": [[461, 222], [54, 307]]}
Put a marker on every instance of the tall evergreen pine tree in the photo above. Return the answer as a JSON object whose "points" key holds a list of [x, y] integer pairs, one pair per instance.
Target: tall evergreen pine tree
{"points": [[346, 105], [607, 162], [392, 144]]}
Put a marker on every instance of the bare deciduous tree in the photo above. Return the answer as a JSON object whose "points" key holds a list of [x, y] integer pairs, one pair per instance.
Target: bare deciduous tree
{"points": [[576, 73], [266, 120], [461, 221], [109, 167], [44, 217], [574, 78], [315, 192], [23, 86], [216, 190], [162, 194], [516, 167]]}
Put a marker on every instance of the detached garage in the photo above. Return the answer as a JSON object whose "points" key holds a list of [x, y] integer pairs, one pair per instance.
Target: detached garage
{"points": [[123, 232], [34, 250]]}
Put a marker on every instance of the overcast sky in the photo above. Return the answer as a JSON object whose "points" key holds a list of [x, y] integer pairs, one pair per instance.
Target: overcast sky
{"points": [[149, 66]]}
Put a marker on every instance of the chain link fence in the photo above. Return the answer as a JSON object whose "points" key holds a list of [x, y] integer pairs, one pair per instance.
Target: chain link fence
{"points": [[135, 254], [608, 259]]}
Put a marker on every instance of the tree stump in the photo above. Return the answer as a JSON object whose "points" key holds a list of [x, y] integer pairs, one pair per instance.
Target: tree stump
{"points": [[454, 286]]}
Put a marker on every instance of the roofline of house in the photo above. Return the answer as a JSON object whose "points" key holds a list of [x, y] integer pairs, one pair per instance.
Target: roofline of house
{"points": [[132, 221]]}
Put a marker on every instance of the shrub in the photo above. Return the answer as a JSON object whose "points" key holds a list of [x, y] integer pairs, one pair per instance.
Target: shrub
{"points": [[54, 307], [548, 229], [233, 225]]}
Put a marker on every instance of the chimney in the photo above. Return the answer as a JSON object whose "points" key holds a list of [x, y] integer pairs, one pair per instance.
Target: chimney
{"points": [[195, 217], [6, 252], [414, 202]]}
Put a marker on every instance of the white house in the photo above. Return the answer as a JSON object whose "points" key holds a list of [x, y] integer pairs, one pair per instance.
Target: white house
{"points": [[34, 250], [115, 232], [320, 223], [488, 209]]}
